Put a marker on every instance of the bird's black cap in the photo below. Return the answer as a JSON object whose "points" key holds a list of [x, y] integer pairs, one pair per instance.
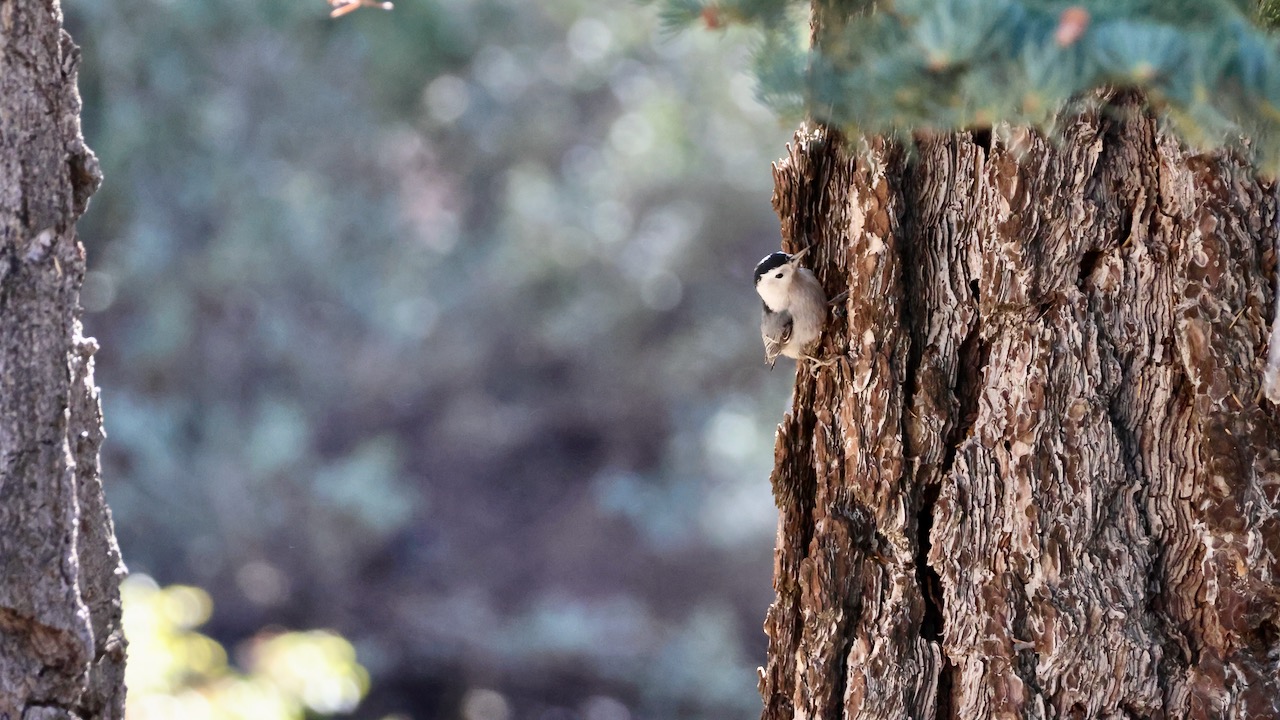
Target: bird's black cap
{"points": [[771, 261]]}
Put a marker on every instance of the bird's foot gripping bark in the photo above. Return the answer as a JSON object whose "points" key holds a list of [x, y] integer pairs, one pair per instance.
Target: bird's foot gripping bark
{"points": [[817, 365]]}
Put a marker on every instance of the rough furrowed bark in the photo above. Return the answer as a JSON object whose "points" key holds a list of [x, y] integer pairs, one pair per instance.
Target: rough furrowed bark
{"points": [[844, 632], [1044, 480], [61, 648]]}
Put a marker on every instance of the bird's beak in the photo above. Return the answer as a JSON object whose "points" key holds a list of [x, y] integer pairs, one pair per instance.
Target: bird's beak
{"points": [[796, 257]]}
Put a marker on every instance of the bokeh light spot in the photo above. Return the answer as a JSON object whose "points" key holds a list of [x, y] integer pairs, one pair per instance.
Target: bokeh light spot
{"points": [[98, 292], [589, 40], [262, 583], [661, 291], [731, 434], [187, 606], [603, 707], [632, 134], [481, 704], [447, 98]]}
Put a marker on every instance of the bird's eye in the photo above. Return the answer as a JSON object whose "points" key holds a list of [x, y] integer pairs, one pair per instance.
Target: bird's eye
{"points": [[779, 276]]}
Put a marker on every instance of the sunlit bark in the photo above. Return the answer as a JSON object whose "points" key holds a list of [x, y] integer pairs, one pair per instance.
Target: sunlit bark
{"points": [[61, 649]]}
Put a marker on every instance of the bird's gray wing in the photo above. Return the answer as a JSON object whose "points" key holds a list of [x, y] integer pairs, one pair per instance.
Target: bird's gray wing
{"points": [[775, 330]]}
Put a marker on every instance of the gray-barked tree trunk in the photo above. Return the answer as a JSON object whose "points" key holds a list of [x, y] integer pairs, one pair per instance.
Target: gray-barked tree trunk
{"points": [[61, 646], [1045, 482]]}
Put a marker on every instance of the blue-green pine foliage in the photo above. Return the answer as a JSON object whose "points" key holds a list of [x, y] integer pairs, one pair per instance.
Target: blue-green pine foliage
{"points": [[1211, 68]]}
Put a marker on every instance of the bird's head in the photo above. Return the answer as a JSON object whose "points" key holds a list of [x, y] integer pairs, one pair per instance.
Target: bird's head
{"points": [[774, 273]]}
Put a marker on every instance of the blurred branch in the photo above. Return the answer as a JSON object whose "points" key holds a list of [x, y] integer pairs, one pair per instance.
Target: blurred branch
{"points": [[342, 7]]}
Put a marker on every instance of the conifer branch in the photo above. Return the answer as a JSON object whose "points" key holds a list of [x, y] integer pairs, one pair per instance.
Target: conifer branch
{"points": [[1210, 67]]}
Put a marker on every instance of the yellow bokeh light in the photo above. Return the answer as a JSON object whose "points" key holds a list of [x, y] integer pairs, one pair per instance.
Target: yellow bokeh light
{"points": [[175, 672]]}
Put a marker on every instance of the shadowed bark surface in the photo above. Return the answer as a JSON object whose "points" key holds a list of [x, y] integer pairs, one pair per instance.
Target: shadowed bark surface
{"points": [[61, 648], [1044, 482]]}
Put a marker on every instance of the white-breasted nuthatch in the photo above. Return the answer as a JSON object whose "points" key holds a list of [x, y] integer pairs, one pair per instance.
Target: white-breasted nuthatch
{"points": [[795, 307]]}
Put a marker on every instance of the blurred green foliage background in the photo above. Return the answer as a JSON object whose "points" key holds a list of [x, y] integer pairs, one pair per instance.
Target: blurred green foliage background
{"points": [[434, 327]]}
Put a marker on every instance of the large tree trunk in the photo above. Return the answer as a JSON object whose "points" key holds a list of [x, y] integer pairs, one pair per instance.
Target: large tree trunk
{"points": [[1045, 482], [61, 648]]}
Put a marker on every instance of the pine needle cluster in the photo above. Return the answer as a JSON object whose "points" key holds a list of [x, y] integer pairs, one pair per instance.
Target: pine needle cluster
{"points": [[1210, 67]]}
